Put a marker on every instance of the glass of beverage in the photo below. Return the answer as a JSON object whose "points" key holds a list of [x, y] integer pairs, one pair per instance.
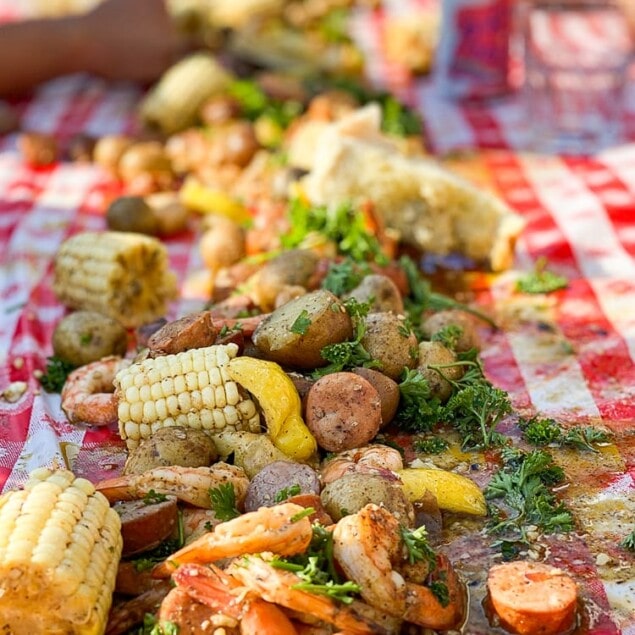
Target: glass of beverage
{"points": [[577, 54]]}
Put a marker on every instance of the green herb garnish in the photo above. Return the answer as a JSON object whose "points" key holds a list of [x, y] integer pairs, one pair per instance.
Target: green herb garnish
{"points": [[522, 486], [57, 370], [629, 542], [150, 558], [430, 445], [541, 280], [307, 511], [417, 547], [341, 592], [302, 323], [418, 411], [151, 626], [286, 492], [223, 502], [340, 224], [152, 498], [440, 591], [449, 336], [543, 431], [344, 276]]}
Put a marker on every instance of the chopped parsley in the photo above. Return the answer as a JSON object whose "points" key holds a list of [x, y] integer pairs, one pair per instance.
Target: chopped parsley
{"points": [[521, 491], [301, 324], [149, 559], [341, 224], [430, 445], [85, 339], [223, 502], [629, 542], [541, 280], [57, 370], [349, 354], [152, 498], [307, 511], [418, 411], [417, 547], [449, 336], [544, 431], [287, 492], [316, 568], [440, 591], [344, 276], [151, 626]]}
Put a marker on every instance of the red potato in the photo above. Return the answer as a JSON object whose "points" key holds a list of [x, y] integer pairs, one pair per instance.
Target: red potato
{"points": [[145, 526], [531, 598], [343, 411]]}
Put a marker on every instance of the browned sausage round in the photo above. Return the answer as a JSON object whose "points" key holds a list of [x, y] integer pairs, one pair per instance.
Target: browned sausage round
{"points": [[192, 331], [145, 526], [343, 411], [388, 390]]}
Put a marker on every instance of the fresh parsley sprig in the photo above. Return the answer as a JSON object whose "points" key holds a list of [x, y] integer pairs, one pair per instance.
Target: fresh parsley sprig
{"points": [[223, 501], [430, 445], [344, 276], [417, 547], [418, 411], [57, 370], [628, 542], [541, 431], [286, 492], [349, 354], [521, 487]]}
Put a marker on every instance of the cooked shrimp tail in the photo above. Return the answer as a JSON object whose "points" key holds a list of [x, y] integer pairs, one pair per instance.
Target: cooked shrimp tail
{"points": [[276, 529]]}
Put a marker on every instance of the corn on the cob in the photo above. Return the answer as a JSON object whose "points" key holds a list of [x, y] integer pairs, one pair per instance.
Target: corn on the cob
{"points": [[174, 103], [123, 275], [190, 389], [60, 544]]}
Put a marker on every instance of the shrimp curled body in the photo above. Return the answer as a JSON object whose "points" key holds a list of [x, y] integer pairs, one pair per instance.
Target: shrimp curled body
{"points": [[88, 393], [369, 459]]}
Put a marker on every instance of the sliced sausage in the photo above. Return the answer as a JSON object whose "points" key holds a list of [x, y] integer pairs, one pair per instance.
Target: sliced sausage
{"points": [[388, 390], [278, 479], [343, 411], [145, 526], [532, 598], [192, 331]]}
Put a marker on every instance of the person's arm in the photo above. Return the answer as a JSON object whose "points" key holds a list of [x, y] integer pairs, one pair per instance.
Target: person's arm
{"points": [[119, 39]]}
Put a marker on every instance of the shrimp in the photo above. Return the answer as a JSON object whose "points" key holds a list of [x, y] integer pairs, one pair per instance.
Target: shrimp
{"points": [[223, 594], [189, 484], [278, 586], [88, 393], [275, 529], [368, 547], [371, 459]]}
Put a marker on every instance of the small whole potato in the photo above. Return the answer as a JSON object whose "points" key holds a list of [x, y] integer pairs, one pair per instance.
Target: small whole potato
{"points": [[171, 215], [173, 445], [290, 269], [109, 149], [295, 333], [219, 109], [432, 354], [86, 336], [131, 214], [274, 482], [389, 341], [146, 160], [388, 391], [343, 411], [381, 292], [468, 337], [348, 494], [235, 143], [222, 243]]}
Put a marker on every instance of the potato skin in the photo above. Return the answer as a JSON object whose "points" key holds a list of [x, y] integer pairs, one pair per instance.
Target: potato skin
{"points": [[431, 354], [329, 324], [290, 269], [388, 391], [382, 291], [469, 337], [132, 214], [86, 336], [175, 445], [277, 476], [387, 342], [348, 494], [343, 411]]}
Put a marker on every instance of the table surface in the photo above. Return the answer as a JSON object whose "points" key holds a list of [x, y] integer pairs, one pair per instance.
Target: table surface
{"points": [[569, 355]]}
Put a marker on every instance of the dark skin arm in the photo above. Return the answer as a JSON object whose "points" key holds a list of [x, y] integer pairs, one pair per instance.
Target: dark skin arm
{"points": [[120, 39]]}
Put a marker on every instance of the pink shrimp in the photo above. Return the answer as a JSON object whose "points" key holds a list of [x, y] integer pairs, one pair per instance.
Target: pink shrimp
{"points": [[88, 394]]}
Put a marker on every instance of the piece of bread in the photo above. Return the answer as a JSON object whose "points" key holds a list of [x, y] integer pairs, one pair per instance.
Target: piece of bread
{"points": [[432, 208]]}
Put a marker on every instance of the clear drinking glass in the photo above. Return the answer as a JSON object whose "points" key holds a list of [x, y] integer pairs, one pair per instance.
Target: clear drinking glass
{"points": [[577, 54]]}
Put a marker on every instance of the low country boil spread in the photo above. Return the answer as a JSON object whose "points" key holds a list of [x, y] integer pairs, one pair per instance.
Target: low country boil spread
{"points": [[233, 401]]}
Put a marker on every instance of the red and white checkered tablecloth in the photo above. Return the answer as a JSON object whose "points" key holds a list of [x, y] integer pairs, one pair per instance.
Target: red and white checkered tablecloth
{"points": [[570, 355]]}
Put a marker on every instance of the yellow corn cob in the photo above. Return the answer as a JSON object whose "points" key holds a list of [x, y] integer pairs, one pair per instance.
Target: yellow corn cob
{"points": [[123, 275], [191, 389], [174, 102], [60, 544]]}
